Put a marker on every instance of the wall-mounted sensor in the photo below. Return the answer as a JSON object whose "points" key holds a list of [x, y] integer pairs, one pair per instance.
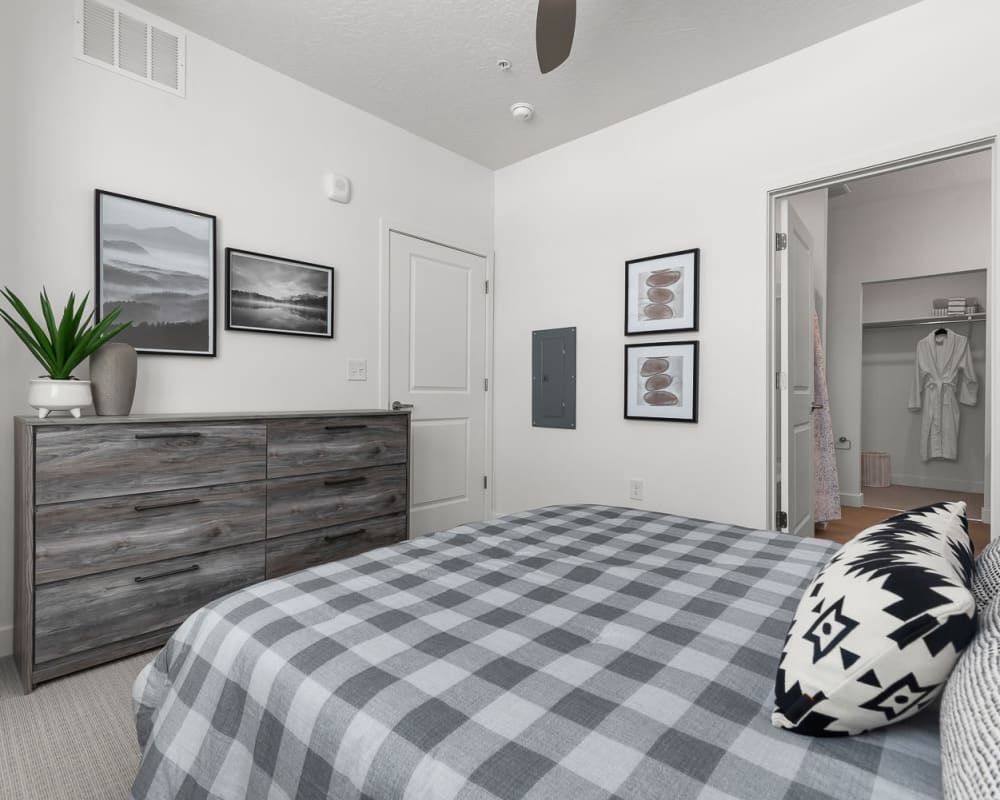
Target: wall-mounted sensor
{"points": [[522, 112], [337, 188]]}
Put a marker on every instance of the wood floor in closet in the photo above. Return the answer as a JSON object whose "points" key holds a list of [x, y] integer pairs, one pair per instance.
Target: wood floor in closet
{"points": [[855, 520]]}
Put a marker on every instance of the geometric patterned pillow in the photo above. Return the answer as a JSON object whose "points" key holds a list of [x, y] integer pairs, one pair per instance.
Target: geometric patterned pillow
{"points": [[986, 575], [970, 716], [880, 627]]}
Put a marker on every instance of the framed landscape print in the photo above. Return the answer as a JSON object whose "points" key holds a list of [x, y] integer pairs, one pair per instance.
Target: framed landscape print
{"points": [[157, 262], [661, 293], [268, 294], [661, 381]]}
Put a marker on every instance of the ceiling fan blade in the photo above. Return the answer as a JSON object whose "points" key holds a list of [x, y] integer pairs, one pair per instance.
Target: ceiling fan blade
{"points": [[554, 28]]}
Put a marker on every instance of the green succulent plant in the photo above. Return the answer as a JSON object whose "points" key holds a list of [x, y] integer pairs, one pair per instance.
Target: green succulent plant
{"points": [[60, 347]]}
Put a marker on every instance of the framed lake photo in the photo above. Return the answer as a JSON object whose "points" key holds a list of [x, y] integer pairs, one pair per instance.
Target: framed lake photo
{"points": [[661, 381], [157, 263], [661, 293], [268, 294]]}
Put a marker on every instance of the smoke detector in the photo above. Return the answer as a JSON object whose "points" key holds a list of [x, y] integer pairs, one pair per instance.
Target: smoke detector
{"points": [[522, 112]]}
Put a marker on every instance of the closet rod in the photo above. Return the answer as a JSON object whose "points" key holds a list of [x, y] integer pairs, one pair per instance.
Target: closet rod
{"points": [[940, 321]]}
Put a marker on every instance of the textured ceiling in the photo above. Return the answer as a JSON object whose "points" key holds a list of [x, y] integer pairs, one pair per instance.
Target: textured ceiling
{"points": [[430, 65]]}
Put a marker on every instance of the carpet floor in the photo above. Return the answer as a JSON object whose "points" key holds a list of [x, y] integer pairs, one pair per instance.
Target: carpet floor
{"points": [[72, 738]]}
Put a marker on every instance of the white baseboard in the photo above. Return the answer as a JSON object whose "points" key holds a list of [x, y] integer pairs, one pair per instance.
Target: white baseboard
{"points": [[852, 500], [6, 641], [955, 485]]}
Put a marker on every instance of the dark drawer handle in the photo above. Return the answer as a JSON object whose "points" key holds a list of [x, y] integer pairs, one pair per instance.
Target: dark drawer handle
{"points": [[181, 571], [330, 538], [344, 427], [344, 481], [186, 435], [168, 504]]}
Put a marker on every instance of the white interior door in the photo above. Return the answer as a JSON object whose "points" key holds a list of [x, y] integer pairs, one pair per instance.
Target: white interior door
{"points": [[437, 364], [795, 269]]}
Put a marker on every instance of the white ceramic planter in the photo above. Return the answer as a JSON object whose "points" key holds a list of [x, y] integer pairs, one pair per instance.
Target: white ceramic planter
{"points": [[48, 395]]}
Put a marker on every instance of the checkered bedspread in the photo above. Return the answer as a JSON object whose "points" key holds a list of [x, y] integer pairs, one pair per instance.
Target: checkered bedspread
{"points": [[569, 652]]}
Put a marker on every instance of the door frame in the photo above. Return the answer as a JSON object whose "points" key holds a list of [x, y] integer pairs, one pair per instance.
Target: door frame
{"points": [[773, 405], [385, 231]]}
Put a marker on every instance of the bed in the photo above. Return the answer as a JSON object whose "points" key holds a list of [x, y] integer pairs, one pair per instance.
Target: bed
{"points": [[566, 652]]}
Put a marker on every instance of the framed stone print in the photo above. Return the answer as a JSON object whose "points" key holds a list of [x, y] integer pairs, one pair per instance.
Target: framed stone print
{"points": [[661, 381], [661, 293]]}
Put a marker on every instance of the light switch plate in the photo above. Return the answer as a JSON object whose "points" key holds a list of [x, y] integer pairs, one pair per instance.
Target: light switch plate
{"points": [[357, 370]]}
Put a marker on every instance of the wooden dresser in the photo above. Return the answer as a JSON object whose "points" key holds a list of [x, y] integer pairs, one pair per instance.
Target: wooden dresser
{"points": [[126, 525]]}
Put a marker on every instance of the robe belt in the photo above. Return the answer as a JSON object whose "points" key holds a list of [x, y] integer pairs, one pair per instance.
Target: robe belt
{"points": [[934, 388]]}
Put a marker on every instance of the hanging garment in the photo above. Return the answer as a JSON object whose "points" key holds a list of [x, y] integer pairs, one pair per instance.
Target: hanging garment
{"points": [[943, 377], [826, 485]]}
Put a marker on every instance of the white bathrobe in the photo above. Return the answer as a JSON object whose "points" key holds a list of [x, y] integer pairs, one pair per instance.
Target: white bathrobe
{"points": [[943, 378]]}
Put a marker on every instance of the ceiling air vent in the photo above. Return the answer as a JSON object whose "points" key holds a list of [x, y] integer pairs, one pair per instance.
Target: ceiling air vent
{"points": [[130, 43]]}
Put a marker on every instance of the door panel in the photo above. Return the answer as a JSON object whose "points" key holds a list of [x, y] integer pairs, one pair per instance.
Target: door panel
{"points": [[795, 265], [437, 363], [441, 475], [439, 341]]}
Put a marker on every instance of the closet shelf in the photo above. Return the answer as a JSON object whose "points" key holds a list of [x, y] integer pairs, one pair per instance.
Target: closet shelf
{"points": [[950, 319]]}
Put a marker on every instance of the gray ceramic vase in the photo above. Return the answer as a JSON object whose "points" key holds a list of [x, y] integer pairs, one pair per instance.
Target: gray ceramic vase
{"points": [[112, 376]]}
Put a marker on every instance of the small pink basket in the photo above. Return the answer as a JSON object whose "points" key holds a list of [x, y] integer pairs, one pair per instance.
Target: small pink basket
{"points": [[875, 470]]}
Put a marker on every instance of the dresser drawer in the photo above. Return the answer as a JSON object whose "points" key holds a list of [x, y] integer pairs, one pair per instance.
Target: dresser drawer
{"points": [[303, 550], [320, 444], [78, 615], [320, 501], [88, 461], [88, 536]]}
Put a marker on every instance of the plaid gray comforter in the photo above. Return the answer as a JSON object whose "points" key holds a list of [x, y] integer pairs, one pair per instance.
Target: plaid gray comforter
{"points": [[568, 652]]}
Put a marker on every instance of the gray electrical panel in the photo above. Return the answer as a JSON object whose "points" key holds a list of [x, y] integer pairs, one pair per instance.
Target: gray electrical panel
{"points": [[553, 378]]}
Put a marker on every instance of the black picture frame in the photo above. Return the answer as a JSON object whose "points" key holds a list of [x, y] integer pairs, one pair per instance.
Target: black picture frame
{"points": [[661, 293], [305, 309], [667, 391], [156, 262]]}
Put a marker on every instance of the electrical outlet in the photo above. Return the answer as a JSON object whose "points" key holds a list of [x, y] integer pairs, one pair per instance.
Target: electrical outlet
{"points": [[635, 489], [357, 370]]}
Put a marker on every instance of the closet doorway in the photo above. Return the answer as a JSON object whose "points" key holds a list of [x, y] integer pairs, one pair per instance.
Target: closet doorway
{"points": [[883, 323]]}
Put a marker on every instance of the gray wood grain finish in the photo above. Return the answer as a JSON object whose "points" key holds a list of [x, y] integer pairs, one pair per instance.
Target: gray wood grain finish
{"points": [[206, 416], [24, 551], [89, 536], [305, 446], [80, 538], [97, 610], [303, 550], [100, 655], [318, 501], [85, 462]]}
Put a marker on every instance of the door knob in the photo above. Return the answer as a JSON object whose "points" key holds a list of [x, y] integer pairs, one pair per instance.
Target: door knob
{"points": [[397, 406]]}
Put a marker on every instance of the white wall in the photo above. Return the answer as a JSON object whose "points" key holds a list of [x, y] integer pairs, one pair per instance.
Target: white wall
{"points": [[922, 233], [8, 345], [250, 146], [695, 173], [813, 209]]}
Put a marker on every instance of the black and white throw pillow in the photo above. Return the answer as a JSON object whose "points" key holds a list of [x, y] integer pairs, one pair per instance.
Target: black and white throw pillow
{"points": [[880, 627], [986, 575], [970, 716]]}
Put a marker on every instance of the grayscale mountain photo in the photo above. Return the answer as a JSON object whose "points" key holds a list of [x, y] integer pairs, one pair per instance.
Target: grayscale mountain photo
{"points": [[158, 264]]}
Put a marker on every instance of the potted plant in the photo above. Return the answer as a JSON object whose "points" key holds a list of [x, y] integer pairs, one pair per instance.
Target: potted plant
{"points": [[60, 346]]}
